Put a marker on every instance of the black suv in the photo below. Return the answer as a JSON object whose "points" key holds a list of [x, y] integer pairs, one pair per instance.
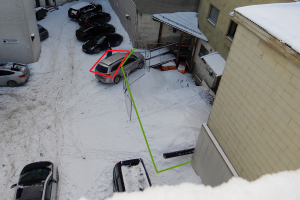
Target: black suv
{"points": [[93, 29], [130, 175], [80, 9]]}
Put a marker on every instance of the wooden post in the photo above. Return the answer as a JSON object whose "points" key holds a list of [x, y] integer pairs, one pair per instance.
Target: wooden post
{"points": [[160, 31], [177, 58], [195, 48]]}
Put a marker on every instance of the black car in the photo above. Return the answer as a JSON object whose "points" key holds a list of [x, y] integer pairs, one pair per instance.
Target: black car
{"points": [[80, 9], [101, 42], [37, 181], [100, 17], [130, 176], [93, 29], [44, 34]]}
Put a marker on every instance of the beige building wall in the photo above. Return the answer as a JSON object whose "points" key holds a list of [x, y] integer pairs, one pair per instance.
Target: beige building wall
{"points": [[217, 34], [18, 24], [256, 113]]}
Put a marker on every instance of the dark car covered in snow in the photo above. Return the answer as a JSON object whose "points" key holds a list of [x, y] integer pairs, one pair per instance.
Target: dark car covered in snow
{"points": [[44, 34], [101, 42], [130, 176], [80, 9], [37, 181], [100, 17], [93, 29]]}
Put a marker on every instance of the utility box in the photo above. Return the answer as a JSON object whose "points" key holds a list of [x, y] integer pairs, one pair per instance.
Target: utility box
{"points": [[40, 13], [214, 65]]}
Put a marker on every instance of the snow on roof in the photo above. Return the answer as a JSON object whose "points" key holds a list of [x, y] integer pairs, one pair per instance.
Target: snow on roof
{"points": [[280, 20], [184, 21], [79, 5], [38, 8], [216, 62]]}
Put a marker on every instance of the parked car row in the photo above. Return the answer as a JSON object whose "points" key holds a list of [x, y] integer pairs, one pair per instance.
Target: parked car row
{"points": [[94, 30], [39, 180]]}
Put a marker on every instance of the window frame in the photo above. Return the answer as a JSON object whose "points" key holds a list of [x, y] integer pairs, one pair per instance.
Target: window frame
{"points": [[201, 52], [211, 20], [229, 29]]}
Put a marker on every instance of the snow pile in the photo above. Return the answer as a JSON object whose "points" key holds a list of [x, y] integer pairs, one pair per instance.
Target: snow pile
{"points": [[281, 20], [283, 185]]}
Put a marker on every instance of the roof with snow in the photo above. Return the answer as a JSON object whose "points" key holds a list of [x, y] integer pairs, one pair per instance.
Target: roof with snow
{"points": [[184, 21], [216, 62], [281, 20]]}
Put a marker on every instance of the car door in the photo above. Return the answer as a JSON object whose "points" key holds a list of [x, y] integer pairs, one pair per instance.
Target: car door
{"points": [[5, 76], [48, 189], [130, 66], [103, 45]]}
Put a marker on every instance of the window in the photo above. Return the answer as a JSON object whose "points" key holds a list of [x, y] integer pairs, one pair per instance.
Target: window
{"points": [[115, 67], [203, 51], [232, 30], [213, 15], [5, 73]]}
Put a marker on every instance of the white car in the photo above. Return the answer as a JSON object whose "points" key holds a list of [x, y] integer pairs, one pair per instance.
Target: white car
{"points": [[13, 74], [37, 181]]}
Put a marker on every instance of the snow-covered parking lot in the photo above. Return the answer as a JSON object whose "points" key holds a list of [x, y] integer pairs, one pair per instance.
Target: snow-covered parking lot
{"points": [[64, 115]]}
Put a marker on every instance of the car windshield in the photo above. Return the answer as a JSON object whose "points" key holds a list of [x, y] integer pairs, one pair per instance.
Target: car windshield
{"points": [[18, 68], [99, 39], [34, 176], [101, 69]]}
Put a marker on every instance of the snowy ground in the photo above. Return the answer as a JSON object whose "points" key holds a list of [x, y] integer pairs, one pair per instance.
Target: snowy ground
{"points": [[64, 115]]}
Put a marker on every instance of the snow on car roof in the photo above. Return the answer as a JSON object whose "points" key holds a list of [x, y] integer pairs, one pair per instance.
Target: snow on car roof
{"points": [[80, 5], [280, 20], [134, 177]]}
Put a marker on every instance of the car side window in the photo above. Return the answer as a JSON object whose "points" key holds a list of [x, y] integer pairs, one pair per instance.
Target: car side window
{"points": [[5, 73], [115, 67], [48, 189], [130, 60]]}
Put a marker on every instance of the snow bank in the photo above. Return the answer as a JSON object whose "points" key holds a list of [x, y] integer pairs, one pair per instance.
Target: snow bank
{"points": [[284, 185]]}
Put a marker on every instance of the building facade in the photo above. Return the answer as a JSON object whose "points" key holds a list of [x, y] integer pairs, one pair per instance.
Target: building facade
{"points": [[137, 18], [216, 21], [20, 40], [256, 113]]}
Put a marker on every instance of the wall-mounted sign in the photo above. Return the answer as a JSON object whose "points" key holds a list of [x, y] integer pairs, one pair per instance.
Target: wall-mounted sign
{"points": [[11, 41]]}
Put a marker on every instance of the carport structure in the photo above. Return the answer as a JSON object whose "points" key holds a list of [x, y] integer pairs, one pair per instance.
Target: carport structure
{"points": [[187, 23]]}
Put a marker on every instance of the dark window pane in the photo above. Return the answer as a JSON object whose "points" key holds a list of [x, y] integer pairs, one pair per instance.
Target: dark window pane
{"points": [[232, 30], [115, 67], [101, 69], [203, 51], [213, 14]]}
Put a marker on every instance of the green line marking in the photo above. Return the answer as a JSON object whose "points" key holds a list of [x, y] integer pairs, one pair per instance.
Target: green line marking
{"points": [[137, 114]]}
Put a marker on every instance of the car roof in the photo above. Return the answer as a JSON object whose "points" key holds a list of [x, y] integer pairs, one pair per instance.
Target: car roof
{"points": [[113, 58], [36, 165], [80, 5]]}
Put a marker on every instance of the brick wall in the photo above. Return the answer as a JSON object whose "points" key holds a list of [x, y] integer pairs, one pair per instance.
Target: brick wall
{"points": [[256, 113]]}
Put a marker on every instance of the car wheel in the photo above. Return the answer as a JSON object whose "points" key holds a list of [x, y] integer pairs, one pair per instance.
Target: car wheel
{"points": [[12, 83], [107, 19], [117, 43], [97, 50], [112, 30], [117, 79], [141, 65]]}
